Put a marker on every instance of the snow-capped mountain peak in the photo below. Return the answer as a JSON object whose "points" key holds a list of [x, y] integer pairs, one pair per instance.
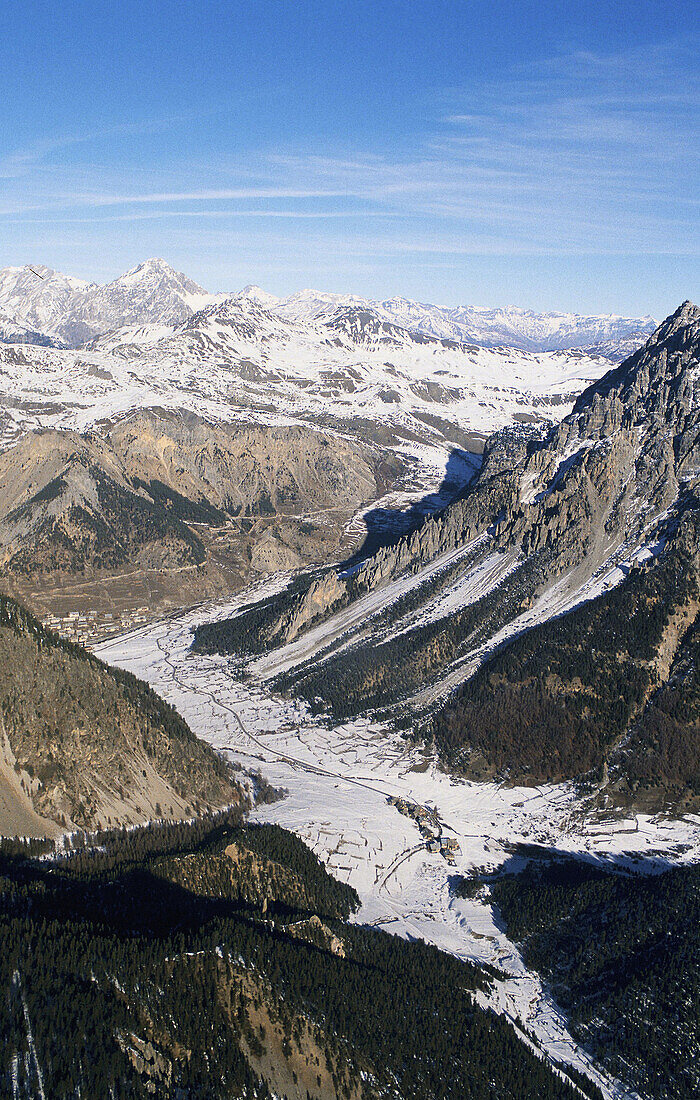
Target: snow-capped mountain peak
{"points": [[157, 271], [38, 299], [72, 311], [60, 308], [314, 305], [256, 294], [151, 292]]}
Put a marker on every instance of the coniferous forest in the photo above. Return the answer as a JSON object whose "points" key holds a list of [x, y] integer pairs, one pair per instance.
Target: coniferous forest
{"points": [[621, 954], [215, 959]]}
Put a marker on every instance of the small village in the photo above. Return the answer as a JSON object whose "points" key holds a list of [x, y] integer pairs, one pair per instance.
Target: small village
{"points": [[430, 828], [92, 626]]}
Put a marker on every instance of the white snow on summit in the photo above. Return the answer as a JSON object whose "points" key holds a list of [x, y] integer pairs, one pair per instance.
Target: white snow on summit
{"points": [[74, 312], [39, 298], [257, 296]]}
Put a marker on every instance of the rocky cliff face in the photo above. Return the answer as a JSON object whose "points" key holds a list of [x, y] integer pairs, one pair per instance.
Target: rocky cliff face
{"points": [[244, 468], [531, 621], [594, 484], [600, 477]]}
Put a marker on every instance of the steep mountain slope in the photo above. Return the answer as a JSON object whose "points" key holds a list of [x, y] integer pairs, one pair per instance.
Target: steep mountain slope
{"points": [[86, 745], [150, 293], [621, 953], [14, 332], [244, 469], [42, 299], [606, 498], [68, 505], [556, 701], [142, 492]]}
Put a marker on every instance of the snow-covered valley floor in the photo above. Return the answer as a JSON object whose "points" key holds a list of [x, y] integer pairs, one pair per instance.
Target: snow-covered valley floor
{"points": [[337, 781]]}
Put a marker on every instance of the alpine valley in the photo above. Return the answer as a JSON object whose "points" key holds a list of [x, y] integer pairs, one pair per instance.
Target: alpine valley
{"points": [[162, 445], [351, 701]]}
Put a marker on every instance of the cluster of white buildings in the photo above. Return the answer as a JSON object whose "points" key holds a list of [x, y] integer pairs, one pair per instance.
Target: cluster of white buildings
{"points": [[92, 626]]}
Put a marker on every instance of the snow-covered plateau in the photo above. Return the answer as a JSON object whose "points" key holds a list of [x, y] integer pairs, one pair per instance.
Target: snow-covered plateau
{"points": [[338, 780], [236, 361]]}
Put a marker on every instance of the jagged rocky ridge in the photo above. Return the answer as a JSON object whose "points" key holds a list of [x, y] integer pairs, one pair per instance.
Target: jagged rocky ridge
{"points": [[600, 510]]}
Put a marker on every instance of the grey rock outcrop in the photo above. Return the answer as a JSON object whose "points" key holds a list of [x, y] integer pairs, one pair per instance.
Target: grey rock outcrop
{"points": [[604, 479], [598, 478]]}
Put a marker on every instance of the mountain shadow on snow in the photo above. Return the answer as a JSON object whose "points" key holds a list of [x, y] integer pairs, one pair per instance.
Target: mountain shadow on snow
{"points": [[386, 526]]}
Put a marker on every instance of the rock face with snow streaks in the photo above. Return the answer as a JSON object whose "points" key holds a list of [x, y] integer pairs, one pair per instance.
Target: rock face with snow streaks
{"points": [[598, 479], [530, 622], [72, 311]]}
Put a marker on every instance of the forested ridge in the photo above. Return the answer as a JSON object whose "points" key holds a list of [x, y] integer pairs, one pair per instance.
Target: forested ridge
{"points": [[179, 967], [119, 526], [554, 702], [93, 743], [376, 674], [260, 627]]}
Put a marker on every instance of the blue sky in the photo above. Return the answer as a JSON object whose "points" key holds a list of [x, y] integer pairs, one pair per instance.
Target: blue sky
{"points": [[542, 154]]}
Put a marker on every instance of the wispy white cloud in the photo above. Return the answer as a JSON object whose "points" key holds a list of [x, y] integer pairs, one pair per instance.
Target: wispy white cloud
{"points": [[22, 161], [582, 152], [98, 199], [149, 215]]}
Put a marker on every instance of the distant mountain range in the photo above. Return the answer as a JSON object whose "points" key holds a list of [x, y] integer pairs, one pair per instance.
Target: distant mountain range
{"points": [[509, 326], [317, 406], [45, 306]]}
